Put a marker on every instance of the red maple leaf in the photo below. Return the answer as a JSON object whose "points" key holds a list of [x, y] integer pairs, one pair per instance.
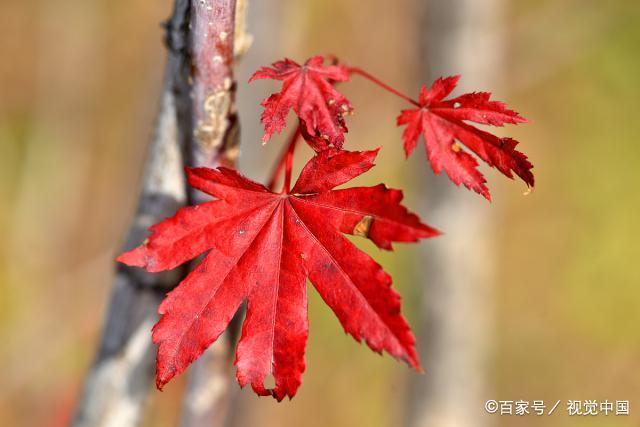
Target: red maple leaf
{"points": [[309, 90], [262, 246], [443, 122]]}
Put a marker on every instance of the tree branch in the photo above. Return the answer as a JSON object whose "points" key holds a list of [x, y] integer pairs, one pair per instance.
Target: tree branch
{"points": [[119, 380], [216, 131], [197, 126], [215, 116]]}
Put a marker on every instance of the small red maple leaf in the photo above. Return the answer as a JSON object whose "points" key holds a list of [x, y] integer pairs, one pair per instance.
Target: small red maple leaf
{"points": [[442, 123], [262, 246], [309, 91]]}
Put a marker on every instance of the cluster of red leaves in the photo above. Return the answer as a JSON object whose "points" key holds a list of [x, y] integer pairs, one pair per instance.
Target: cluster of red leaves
{"points": [[261, 246], [309, 91]]}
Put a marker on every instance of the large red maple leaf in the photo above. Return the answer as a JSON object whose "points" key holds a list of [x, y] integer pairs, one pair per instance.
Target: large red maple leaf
{"points": [[307, 89], [442, 122], [262, 246]]}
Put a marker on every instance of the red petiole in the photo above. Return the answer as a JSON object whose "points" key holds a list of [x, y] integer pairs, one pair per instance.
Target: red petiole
{"points": [[361, 72], [283, 162]]}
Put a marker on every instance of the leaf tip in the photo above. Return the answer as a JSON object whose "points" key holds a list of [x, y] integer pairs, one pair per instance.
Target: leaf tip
{"points": [[160, 383], [414, 361], [136, 257], [433, 232]]}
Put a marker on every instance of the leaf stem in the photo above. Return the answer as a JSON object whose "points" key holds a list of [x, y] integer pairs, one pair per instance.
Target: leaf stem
{"points": [[361, 72], [282, 160], [289, 166]]}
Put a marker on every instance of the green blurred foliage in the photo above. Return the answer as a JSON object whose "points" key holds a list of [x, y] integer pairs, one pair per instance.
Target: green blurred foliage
{"points": [[569, 290]]}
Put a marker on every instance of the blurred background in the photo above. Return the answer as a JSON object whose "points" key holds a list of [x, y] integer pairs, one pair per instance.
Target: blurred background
{"points": [[544, 296]]}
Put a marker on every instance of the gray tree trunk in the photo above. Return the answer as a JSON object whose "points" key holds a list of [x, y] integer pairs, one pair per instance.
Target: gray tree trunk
{"points": [[197, 126], [458, 37]]}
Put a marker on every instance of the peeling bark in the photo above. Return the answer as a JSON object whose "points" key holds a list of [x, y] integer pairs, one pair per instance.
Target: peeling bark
{"points": [[215, 143], [214, 89]]}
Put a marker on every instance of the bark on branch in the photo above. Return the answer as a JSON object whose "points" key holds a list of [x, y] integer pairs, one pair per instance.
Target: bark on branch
{"points": [[215, 117], [196, 125], [215, 143]]}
